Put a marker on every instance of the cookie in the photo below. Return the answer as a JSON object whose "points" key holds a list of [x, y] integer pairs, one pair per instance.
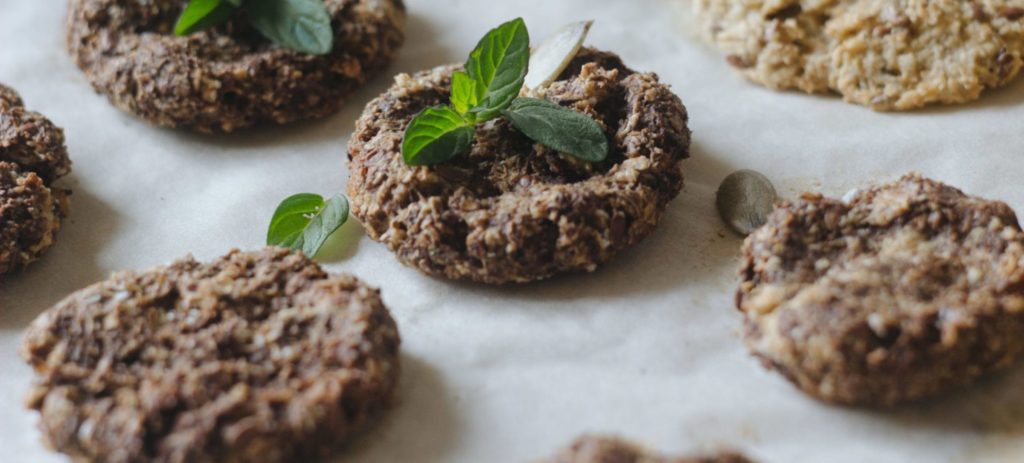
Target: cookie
{"points": [[256, 356], [32, 156], [891, 55], [601, 449], [902, 292], [512, 210], [9, 97], [229, 77]]}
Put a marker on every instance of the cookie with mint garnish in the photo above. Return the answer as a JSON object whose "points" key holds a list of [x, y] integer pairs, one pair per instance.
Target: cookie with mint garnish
{"points": [[467, 173], [898, 292], [32, 157], [254, 357], [222, 65]]}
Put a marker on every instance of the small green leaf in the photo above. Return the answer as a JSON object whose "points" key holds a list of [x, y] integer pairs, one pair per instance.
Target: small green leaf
{"points": [[559, 128], [463, 93], [303, 222], [200, 15], [291, 217], [436, 135], [499, 65], [302, 25]]}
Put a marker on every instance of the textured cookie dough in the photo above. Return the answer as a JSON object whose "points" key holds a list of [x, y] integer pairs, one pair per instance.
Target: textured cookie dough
{"points": [[258, 356], [32, 155], [512, 210], [229, 77], [886, 54], [601, 449], [903, 292]]}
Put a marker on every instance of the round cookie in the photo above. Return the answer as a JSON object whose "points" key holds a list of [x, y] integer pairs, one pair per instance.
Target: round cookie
{"points": [[229, 77], [512, 210], [886, 54], [31, 215], [903, 292], [32, 156], [258, 356], [601, 449]]}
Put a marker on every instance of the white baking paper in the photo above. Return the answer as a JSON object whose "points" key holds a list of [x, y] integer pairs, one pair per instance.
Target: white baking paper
{"points": [[646, 347]]}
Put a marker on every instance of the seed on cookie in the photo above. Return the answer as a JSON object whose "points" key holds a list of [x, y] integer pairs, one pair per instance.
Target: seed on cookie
{"points": [[889, 55], [228, 77], [511, 209], [902, 292], [603, 449], [256, 356], [32, 156]]}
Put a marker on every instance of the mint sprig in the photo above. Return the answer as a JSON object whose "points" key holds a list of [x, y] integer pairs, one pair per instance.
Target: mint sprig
{"points": [[498, 66], [303, 222], [558, 128], [301, 25], [490, 88]]}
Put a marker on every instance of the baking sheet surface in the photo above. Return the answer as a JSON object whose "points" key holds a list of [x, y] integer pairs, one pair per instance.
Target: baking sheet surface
{"points": [[646, 347]]}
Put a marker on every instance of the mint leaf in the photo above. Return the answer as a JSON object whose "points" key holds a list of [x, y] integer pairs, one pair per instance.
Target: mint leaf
{"points": [[200, 15], [559, 128], [498, 65], [303, 222], [463, 93], [436, 135], [302, 25]]}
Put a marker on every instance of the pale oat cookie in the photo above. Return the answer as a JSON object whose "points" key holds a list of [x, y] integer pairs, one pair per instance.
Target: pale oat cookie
{"points": [[887, 54], [903, 292], [253, 357], [512, 210], [605, 449]]}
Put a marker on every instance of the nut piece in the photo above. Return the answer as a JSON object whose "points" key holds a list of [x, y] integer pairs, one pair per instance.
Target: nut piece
{"points": [[552, 57], [256, 356], [906, 291]]}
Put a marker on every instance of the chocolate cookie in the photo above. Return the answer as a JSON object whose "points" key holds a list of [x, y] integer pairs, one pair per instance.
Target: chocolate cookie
{"points": [[32, 155], [512, 210], [904, 291], [258, 356], [887, 54], [229, 77], [598, 449]]}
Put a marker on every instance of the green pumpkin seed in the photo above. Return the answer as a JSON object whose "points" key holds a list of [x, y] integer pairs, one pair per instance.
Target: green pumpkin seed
{"points": [[745, 198]]}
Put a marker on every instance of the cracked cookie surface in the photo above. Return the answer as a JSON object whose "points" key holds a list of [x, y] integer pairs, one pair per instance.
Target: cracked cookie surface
{"points": [[905, 291], [886, 54], [256, 356]]}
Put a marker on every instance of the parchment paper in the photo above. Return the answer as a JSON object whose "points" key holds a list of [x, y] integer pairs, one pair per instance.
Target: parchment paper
{"points": [[646, 347]]}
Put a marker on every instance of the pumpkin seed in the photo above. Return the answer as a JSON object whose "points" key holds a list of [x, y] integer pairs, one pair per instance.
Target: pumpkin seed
{"points": [[744, 200], [552, 57]]}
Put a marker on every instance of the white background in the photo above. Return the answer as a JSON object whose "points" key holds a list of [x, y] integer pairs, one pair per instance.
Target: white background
{"points": [[646, 347]]}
